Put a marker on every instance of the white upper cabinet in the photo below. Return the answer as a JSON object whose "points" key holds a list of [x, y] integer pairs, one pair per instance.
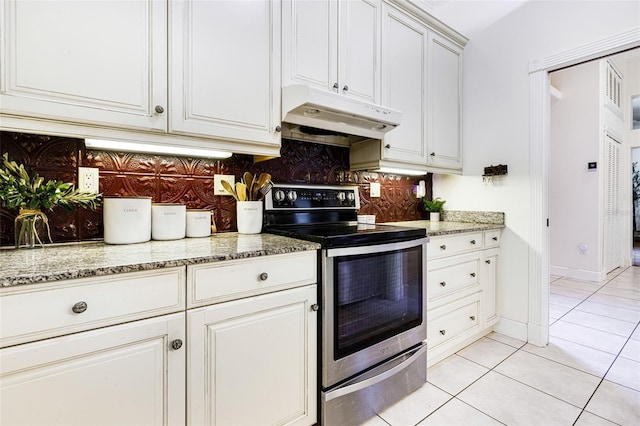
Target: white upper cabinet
{"points": [[333, 45], [404, 85], [444, 113], [97, 62], [225, 69]]}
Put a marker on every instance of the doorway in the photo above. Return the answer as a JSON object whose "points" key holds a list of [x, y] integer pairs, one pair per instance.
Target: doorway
{"points": [[539, 265]]}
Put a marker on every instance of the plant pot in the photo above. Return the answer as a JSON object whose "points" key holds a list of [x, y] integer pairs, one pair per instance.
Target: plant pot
{"points": [[434, 216], [249, 217]]}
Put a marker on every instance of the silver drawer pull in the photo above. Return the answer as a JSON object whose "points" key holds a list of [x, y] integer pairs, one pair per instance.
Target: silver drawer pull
{"points": [[473, 242], [443, 247], [472, 317], [473, 274], [79, 307], [315, 307], [443, 332], [264, 276], [176, 344], [488, 262], [495, 238], [443, 283]]}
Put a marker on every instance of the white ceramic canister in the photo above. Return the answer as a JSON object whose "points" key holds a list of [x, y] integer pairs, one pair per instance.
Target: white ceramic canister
{"points": [[249, 217], [198, 223], [127, 220], [168, 221]]}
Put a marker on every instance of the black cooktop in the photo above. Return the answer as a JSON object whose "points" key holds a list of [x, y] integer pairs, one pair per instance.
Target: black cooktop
{"points": [[348, 235]]}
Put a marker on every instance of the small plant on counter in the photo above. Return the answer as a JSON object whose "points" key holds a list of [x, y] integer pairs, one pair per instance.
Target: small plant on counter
{"points": [[31, 194], [435, 205]]}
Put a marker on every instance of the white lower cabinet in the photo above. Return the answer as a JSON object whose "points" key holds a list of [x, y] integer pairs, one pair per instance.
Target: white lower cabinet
{"points": [[251, 334], [462, 282], [251, 361], [128, 374]]}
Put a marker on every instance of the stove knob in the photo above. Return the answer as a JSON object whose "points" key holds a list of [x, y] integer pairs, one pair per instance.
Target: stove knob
{"points": [[292, 195], [341, 196], [279, 195], [351, 196]]}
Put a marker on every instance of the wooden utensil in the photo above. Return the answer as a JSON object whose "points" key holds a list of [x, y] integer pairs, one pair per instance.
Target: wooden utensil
{"points": [[241, 191], [229, 189], [262, 179], [247, 179]]}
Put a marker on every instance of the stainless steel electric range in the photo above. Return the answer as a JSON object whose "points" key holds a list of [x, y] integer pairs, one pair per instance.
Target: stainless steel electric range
{"points": [[372, 293]]}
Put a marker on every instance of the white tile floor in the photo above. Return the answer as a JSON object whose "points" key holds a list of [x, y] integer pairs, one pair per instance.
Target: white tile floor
{"points": [[589, 374]]}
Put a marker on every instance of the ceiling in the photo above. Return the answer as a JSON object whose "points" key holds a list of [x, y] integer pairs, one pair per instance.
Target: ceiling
{"points": [[468, 16]]}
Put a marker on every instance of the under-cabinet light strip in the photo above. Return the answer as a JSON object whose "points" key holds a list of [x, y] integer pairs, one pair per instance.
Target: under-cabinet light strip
{"points": [[111, 145]]}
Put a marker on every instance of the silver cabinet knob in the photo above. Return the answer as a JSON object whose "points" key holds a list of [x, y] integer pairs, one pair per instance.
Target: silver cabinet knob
{"points": [[443, 332], [315, 307], [335, 85], [79, 307], [495, 238], [443, 283], [473, 242], [159, 109], [433, 154], [443, 247], [278, 129], [264, 276], [176, 344], [388, 146], [488, 261], [345, 88], [472, 317], [473, 274]]}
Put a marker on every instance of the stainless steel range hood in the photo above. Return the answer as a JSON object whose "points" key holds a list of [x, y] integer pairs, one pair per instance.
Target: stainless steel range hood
{"points": [[316, 108]]}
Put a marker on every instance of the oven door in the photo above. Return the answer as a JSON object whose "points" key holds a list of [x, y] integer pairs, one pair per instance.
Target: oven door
{"points": [[374, 305]]}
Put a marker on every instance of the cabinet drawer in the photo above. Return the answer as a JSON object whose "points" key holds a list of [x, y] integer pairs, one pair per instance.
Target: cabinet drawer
{"points": [[454, 244], [452, 323], [450, 279], [221, 281], [39, 311], [492, 238]]}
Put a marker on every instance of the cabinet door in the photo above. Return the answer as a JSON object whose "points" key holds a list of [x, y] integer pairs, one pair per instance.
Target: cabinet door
{"points": [[359, 49], [489, 283], [225, 70], [120, 375], [99, 62], [404, 84], [445, 99], [253, 361], [309, 43]]}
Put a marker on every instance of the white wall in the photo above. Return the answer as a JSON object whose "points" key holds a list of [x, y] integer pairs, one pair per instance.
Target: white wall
{"points": [[574, 203], [632, 87], [496, 119]]}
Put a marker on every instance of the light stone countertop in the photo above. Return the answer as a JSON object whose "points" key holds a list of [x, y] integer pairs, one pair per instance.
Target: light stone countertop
{"points": [[77, 260], [435, 229]]}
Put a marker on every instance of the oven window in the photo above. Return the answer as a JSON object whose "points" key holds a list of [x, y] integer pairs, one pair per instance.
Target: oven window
{"points": [[377, 296]]}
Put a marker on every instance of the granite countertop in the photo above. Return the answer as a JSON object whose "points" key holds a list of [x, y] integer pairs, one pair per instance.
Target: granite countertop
{"points": [[456, 221], [76, 260], [435, 229]]}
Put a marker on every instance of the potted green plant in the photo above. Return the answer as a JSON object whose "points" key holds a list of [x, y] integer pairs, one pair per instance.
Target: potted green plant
{"points": [[434, 207], [30, 194]]}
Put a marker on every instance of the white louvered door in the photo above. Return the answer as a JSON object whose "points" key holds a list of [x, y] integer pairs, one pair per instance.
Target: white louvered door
{"points": [[612, 223]]}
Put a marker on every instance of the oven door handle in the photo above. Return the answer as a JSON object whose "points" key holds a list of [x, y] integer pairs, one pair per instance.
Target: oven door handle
{"points": [[376, 248], [370, 381]]}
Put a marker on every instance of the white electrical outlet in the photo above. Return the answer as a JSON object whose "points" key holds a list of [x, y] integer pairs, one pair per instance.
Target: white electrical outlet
{"points": [[374, 189], [88, 179], [218, 189]]}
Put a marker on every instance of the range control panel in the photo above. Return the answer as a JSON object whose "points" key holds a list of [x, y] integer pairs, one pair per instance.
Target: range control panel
{"points": [[295, 197]]}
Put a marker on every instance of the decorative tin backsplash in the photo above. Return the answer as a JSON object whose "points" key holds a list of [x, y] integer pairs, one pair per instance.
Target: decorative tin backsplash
{"points": [[171, 179]]}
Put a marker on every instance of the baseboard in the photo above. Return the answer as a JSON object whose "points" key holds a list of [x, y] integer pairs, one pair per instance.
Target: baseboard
{"points": [[515, 329], [578, 274]]}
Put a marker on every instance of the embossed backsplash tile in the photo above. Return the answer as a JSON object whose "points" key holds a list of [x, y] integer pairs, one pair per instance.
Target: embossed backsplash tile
{"points": [[172, 179]]}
